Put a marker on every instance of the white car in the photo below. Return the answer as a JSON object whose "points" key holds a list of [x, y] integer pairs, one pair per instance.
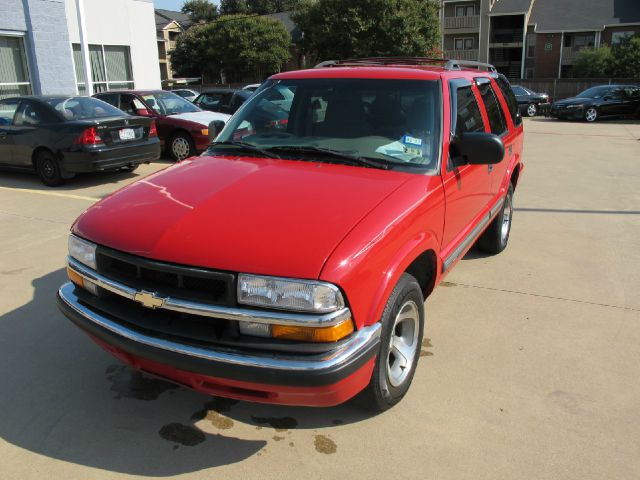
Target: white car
{"points": [[186, 93]]}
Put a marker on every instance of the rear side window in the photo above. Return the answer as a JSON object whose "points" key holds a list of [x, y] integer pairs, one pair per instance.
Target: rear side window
{"points": [[110, 98], [32, 114], [505, 88], [468, 117], [494, 111]]}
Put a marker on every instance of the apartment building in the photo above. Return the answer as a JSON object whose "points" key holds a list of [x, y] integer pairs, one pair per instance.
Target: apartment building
{"points": [[534, 38], [76, 46], [169, 26]]}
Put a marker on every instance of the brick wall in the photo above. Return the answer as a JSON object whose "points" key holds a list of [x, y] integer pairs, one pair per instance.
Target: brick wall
{"points": [[546, 61], [605, 37]]}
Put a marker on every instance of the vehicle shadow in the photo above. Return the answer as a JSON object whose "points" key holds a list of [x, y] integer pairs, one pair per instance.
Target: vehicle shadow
{"points": [[15, 179], [66, 399]]}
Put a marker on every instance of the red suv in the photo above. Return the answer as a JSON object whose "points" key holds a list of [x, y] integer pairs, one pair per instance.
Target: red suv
{"points": [[290, 263]]}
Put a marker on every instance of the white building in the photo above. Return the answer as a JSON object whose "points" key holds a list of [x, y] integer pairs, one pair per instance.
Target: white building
{"points": [[41, 46]]}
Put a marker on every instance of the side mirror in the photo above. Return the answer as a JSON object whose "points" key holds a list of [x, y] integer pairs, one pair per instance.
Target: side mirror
{"points": [[477, 148], [215, 127], [143, 112]]}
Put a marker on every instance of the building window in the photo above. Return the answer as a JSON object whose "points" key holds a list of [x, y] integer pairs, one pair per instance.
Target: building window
{"points": [[621, 37], [465, 11], [528, 73], [14, 74], [110, 68], [463, 44]]}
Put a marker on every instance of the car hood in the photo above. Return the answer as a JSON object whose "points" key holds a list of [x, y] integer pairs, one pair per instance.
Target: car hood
{"points": [[574, 101], [204, 118], [254, 215]]}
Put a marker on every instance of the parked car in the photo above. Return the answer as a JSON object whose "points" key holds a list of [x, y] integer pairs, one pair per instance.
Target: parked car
{"points": [[186, 93], [222, 100], [530, 102], [601, 101], [182, 126], [252, 87], [290, 263], [59, 136]]}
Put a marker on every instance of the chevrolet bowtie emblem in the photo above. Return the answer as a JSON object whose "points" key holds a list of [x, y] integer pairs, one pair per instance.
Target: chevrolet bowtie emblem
{"points": [[148, 299]]}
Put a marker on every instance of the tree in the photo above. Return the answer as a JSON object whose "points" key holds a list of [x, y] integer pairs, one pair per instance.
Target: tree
{"points": [[200, 10], [257, 7], [593, 63], [618, 61], [335, 29], [626, 58], [240, 46]]}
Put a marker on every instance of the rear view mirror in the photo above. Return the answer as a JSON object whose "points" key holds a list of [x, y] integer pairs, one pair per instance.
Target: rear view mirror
{"points": [[215, 127], [477, 148], [143, 112]]}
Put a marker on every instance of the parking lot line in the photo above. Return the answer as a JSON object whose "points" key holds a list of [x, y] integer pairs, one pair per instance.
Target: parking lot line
{"points": [[52, 194]]}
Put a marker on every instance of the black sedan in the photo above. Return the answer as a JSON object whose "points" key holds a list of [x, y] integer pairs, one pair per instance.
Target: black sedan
{"points": [[530, 102], [601, 101], [60, 136], [224, 100]]}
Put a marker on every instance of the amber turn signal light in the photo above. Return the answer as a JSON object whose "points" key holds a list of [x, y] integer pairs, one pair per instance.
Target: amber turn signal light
{"points": [[313, 334], [77, 279]]}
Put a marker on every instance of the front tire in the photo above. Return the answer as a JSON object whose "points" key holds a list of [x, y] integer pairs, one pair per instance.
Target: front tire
{"points": [[402, 330], [532, 110], [181, 146], [496, 236], [48, 169], [591, 114]]}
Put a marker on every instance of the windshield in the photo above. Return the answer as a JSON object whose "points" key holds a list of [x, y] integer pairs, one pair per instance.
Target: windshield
{"points": [[593, 92], [80, 108], [167, 103], [394, 122]]}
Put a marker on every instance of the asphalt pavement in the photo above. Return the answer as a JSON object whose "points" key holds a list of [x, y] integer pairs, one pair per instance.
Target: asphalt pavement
{"points": [[529, 368]]}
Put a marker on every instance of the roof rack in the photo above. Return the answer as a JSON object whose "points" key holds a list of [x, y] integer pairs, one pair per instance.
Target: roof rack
{"points": [[383, 61]]}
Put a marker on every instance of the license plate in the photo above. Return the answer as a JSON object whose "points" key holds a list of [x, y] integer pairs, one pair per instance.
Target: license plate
{"points": [[127, 134]]}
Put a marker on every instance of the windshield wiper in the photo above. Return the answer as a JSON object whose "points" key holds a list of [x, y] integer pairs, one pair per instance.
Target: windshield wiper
{"points": [[245, 146], [343, 156]]}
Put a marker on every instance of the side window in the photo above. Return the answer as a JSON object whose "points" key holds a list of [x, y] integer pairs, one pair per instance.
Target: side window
{"points": [[505, 88], [110, 98], [494, 111], [130, 104], [519, 91], [32, 114], [7, 111], [468, 117]]}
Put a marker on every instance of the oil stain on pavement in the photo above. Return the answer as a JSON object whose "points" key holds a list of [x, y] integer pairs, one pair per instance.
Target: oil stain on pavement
{"points": [[325, 445], [426, 343]]}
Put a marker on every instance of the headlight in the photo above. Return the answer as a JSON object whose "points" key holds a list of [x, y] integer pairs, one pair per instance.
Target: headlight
{"points": [[82, 251], [286, 294]]}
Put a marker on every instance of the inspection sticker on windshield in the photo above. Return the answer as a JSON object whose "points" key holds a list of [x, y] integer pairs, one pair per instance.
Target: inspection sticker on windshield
{"points": [[407, 140]]}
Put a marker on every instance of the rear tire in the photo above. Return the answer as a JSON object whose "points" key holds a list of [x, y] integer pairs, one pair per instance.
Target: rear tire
{"points": [[402, 330], [496, 236], [181, 146], [532, 110], [48, 169]]}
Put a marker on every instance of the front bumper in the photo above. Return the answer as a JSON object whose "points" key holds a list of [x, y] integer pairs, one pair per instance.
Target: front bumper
{"points": [[103, 157], [322, 379], [568, 113]]}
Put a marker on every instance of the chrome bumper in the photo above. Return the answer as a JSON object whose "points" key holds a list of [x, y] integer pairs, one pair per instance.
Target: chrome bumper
{"points": [[358, 349], [215, 311]]}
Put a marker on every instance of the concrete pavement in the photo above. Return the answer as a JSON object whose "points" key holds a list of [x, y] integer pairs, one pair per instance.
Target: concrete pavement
{"points": [[529, 370]]}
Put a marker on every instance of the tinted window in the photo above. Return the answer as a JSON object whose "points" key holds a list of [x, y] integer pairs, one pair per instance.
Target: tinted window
{"points": [[110, 98], [508, 95], [519, 91], [594, 92], [79, 108], [31, 114], [491, 104], [632, 92], [7, 110], [468, 117], [209, 99]]}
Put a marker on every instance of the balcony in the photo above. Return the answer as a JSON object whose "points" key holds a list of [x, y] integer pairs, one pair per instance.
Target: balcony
{"points": [[457, 23], [569, 54], [462, 54]]}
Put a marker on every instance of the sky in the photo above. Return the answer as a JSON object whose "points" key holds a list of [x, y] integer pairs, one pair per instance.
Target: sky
{"points": [[171, 4]]}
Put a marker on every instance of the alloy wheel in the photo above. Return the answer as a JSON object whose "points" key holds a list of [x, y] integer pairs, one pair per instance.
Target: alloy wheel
{"points": [[180, 147], [591, 114], [507, 213], [532, 110], [403, 343]]}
